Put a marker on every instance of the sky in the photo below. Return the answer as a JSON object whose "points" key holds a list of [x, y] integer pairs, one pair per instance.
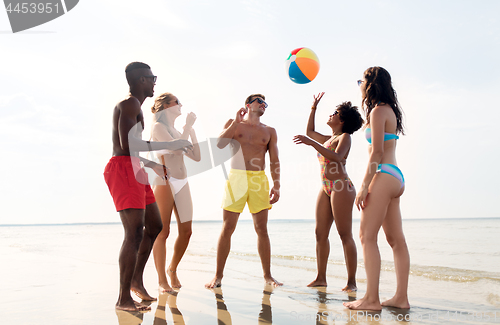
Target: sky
{"points": [[60, 81]]}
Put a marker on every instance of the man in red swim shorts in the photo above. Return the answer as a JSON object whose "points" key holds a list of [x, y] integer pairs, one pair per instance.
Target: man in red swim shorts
{"points": [[128, 185]]}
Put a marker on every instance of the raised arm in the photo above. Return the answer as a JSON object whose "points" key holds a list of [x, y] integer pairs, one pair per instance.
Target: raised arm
{"points": [[340, 151], [310, 123], [195, 153], [274, 166]]}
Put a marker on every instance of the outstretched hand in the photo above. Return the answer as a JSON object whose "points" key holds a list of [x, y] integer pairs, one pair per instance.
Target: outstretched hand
{"points": [[317, 99], [298, 139]]}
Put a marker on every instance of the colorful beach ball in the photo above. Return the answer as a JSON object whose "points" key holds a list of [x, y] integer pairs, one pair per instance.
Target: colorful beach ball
{"points": [[302, 65]]}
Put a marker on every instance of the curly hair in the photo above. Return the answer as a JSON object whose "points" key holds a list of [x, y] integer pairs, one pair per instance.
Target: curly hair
{"points": [[350, 116], [378, 89]]}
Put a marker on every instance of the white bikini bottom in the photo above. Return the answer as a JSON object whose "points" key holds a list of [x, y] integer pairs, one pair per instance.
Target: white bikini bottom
{"points": [[177, 184]]}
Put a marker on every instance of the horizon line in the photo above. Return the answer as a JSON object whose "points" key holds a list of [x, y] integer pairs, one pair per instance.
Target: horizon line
{"points": [[220, 221]]}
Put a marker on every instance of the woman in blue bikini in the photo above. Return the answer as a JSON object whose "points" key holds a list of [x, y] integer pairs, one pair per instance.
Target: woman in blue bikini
{"points": [[336, 198], [383, 184], [173, 194]]}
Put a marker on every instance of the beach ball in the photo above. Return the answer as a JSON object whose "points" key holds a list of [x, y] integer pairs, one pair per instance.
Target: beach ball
{"points": [[302, 65]]}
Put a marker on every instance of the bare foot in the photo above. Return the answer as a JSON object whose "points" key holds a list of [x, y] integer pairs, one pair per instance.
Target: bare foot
{"points": [[270, 280], [164, 287], [362, 304], [173, 278], [142, 293], [350, 288], [397, 303], [132, 306], [215, 283], [317, 283]]}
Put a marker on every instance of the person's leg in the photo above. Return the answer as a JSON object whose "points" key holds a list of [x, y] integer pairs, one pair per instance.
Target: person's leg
{"points": [[184, 213], [264, 245], [324, 220], [165, 202], [382, 189], [224, 246], [133, 224], [393, 228], [152, 227], [342, 201]]}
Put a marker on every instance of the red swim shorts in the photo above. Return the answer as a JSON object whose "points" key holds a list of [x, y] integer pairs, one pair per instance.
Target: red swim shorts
{"points": [[128, 183]]}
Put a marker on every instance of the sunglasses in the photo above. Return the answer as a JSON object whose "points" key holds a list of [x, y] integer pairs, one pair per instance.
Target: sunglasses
{"points": [[360, 82], [154, 78], [335, 113], [260, 101]]}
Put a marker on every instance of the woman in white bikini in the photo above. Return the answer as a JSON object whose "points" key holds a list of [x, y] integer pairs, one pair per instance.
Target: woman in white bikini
{"points": [[173, 195]]}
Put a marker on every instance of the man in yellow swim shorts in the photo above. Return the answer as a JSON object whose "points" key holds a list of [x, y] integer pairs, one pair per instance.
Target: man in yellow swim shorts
{"points": [[247, 183]]}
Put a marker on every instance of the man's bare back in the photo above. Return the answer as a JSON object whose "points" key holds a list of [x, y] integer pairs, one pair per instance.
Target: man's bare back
{"points": [[126, 115]]}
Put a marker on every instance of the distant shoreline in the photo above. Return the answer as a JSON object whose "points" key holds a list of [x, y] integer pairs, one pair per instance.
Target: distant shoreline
{"points": [[220, 221]]}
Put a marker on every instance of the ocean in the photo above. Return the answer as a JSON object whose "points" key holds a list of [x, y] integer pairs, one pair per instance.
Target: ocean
{"points": [[68, 272]]}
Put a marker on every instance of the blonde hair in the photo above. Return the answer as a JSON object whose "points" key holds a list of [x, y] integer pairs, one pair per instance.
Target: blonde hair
{"points": [[161, 117]]}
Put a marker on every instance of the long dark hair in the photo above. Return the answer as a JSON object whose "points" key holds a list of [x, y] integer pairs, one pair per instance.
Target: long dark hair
{"points": [[378, 89]]}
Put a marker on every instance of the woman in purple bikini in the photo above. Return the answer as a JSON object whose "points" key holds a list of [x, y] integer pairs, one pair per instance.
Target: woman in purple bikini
{"points": [[336, 197]]}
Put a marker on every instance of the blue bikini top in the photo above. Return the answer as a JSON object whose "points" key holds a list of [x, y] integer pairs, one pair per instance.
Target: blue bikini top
{"points": [[387, 136]]}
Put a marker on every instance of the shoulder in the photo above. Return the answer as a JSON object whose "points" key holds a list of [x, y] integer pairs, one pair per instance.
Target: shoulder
{"points": [[344, 137], [129, 104], [382, 109], [269, 129], [381, 112]]}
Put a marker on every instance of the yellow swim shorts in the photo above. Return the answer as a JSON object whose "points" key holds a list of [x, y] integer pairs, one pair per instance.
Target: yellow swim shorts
{"points": [[246, 186]]}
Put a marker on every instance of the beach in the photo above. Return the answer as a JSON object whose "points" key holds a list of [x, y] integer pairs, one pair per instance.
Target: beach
{"points": [[68, 274]]}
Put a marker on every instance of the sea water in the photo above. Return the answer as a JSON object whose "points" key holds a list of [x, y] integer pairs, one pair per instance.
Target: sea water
{"points": [[455, 264]]}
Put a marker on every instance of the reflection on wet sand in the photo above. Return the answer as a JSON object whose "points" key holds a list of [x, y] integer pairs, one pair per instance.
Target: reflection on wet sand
{"points": [[165, 299], [265, 314], [223, 316], [169, 299], [323, 316], [129, 317]]}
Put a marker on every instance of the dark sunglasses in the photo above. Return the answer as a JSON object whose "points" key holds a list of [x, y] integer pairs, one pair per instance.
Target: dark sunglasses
{"points": [[260, 101], [360, 82], [154, 78]]}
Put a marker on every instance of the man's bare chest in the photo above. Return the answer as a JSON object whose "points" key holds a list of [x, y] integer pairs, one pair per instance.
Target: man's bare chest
{"points": [[252, 135]]}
